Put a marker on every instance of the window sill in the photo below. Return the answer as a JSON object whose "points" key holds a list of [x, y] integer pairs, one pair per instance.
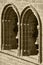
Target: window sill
{"points": [[14, 53]]}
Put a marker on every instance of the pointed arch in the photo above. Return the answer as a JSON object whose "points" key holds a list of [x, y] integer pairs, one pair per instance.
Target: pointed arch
{"points": [[26, 9], [9, 12]]}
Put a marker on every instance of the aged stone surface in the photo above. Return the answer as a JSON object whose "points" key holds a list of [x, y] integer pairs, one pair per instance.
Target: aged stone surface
{"points": [[20, 4]]}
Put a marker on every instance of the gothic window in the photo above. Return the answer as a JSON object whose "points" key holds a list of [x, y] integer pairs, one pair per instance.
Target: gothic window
{"points": [[31, 33], [22, 33], [10, 20]]}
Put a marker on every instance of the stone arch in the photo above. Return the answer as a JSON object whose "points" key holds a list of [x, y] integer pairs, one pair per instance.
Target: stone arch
{"points": [[39, 39], [9, 13]]}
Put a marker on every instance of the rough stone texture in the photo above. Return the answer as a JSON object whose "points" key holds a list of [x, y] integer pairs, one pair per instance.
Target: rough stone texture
{"points": [[21, 4], [10, 60]]}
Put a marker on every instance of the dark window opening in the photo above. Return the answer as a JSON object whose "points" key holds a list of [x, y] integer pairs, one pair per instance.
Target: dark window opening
{"points": [[29, 33], [21, 33], [10, 29]]}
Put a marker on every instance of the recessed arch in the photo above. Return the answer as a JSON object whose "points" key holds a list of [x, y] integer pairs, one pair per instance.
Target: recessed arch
{"points": [[27, 10], [10, 21]]}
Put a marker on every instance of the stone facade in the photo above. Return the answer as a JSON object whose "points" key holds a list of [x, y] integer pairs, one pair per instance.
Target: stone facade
{"points": [[21, 4]]}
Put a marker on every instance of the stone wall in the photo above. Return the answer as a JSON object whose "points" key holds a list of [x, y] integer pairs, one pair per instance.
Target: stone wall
{"points": [[21, 4]]}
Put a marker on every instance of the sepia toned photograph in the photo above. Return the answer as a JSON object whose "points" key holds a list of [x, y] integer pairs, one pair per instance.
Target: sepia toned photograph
{"points": [[21, 32]]}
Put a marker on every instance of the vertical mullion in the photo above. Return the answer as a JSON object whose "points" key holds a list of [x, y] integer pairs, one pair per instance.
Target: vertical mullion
{"points": [[21, 39], [3, 35], [18, 38], [40, 45], [8, 34], [25, 36]]}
